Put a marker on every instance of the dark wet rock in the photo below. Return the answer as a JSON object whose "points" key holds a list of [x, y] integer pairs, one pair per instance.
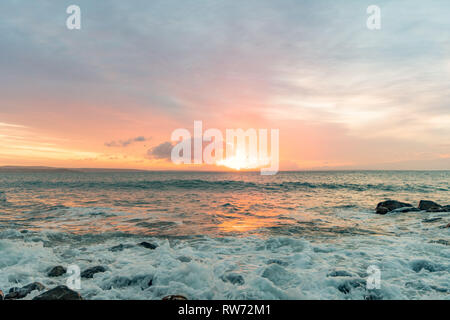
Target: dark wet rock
{"points": [[389, 205], [148, 245], [382, 210], [59, 293], [89, 273], [406, 209], [174, 297], [144, 281], [418, 265], [348, 285], [277, 261], [57, 271], [431, 220], [340, 273], [2, 296], [233, 278], [436, 209], [447, 226], [19, 293], [120, 247], [446, 208], [427, 205], [441, 241], [184, 259]]}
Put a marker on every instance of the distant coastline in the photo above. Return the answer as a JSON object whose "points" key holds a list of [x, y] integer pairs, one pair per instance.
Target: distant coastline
{"points": [[37, 169], [56, 169]]}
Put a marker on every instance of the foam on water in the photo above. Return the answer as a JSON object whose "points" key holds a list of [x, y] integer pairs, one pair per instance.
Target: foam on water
{"points": [[227, 236], [206, 268]]}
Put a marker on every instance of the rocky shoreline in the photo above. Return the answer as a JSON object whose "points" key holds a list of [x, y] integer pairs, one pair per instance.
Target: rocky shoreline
{"points": [[397, 206], [63, 292]]}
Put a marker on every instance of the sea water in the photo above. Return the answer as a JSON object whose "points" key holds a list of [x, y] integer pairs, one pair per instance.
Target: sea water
{"points": [[295, 235]]}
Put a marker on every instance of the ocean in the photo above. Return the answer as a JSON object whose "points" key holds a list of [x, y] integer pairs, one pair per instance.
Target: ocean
{"points": [[240, 235]]}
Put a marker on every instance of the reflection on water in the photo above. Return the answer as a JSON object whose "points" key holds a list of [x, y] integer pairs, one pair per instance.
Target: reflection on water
{"points": [[215, 204]]}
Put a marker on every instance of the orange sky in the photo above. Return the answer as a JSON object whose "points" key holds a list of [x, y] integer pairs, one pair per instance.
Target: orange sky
{"points": [[342, 96]]}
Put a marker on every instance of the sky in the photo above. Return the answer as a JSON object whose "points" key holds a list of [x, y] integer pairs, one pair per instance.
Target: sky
{"points": [[110, 94]]}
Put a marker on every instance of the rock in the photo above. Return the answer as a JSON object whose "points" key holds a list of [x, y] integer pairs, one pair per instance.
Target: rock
{"points": [[19, 293], [174, 297], [89, 273], [340, 273], [120, 247], [57, 271], [347, 285], [431, 220], [184, 259], [148, 245], [406, 209], [277, 261], [441, 241], [389, 205], [447, 226], [446, 208], [2, 296], [143, 281], [430, 206], [418, 265], [233, 278], [382, 210], [59, 293]]}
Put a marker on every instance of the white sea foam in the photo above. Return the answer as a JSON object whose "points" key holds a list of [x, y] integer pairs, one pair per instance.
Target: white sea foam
{"points": [[272, 268]]}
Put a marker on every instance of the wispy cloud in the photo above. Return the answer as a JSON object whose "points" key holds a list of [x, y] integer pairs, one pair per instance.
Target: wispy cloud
{"points": [[126, 143]]}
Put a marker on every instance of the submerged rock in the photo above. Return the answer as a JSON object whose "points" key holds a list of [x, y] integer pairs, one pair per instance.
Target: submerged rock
{"points": [[174, 297], [148, 245], [441, 241], [184, 259], [2, 197], [89, 273], [233, 278], [340, 273], [19, 293], [59, 293], [430, 220], [120, 247], [390, 205], [277, 261], [418, 265], [144, 281], [348, 285], [57, 271], [406, 209]]}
